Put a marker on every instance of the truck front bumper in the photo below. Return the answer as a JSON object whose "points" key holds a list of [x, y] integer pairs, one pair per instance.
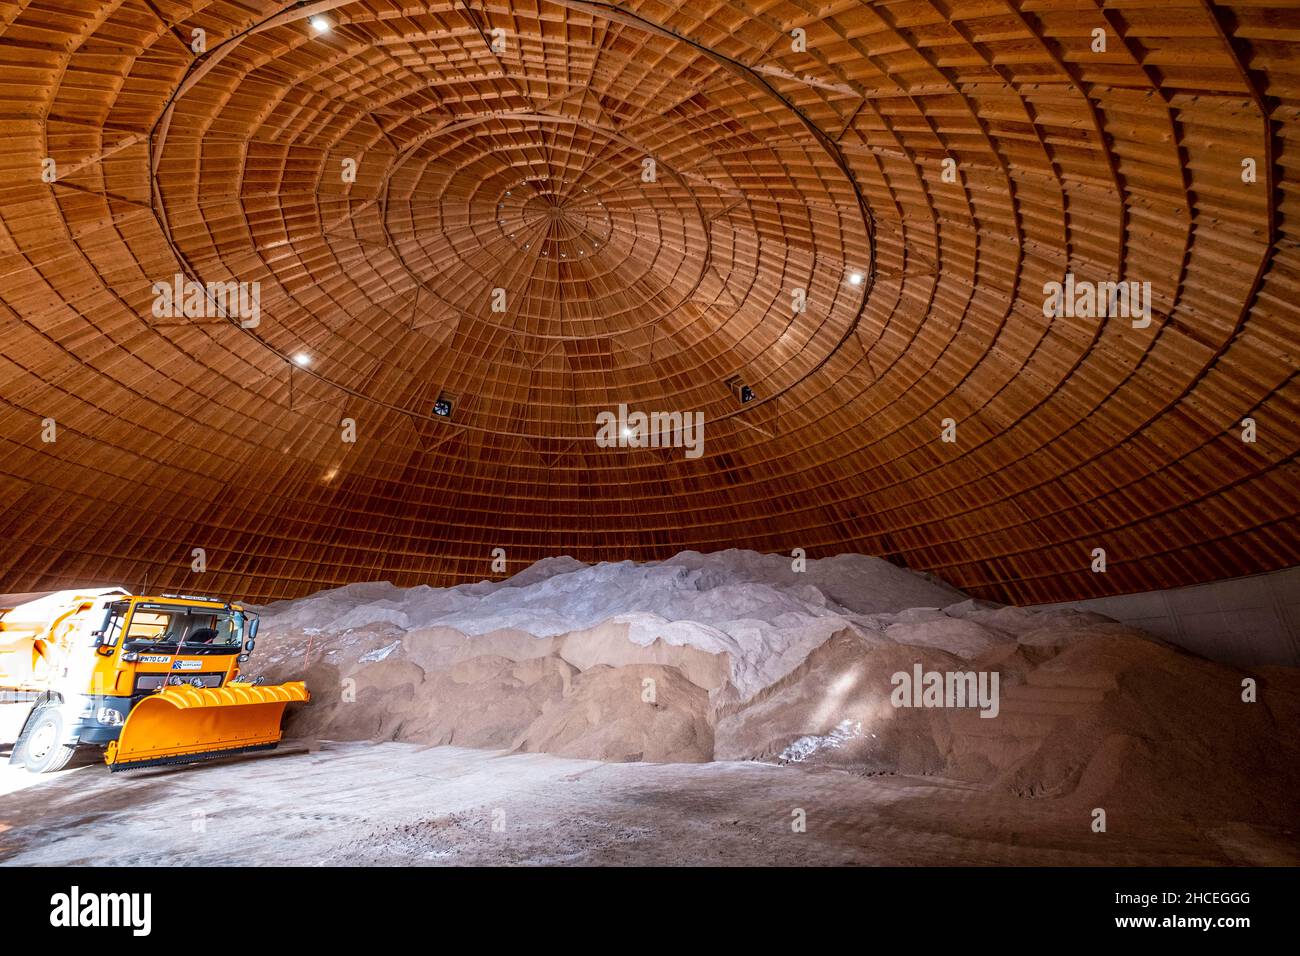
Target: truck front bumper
{"points": [[98, 719]]}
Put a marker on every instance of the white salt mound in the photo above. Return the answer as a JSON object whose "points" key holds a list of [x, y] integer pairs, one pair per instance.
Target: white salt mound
{"points": [[753, 607], [735, 655]]}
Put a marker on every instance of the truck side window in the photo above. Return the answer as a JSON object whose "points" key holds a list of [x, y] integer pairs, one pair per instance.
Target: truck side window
{"points": [[113, 625]]}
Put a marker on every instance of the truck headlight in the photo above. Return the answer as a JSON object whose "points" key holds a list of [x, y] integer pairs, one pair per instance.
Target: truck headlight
{"points": [[107, 715]]}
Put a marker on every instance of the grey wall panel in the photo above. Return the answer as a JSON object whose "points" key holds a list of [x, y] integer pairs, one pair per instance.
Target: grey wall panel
{"points": [[1242, 621]]}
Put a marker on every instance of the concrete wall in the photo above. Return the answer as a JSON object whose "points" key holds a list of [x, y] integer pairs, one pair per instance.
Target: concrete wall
{"points": [[1242, 621]]}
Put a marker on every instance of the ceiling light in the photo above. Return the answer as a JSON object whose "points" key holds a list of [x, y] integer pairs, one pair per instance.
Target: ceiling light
{"points": [[320, 24], [303, 359], [855, 278]]}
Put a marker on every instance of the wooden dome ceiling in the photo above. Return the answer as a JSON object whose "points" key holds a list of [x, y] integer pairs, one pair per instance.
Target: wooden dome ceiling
{"points": [[504, 145]]}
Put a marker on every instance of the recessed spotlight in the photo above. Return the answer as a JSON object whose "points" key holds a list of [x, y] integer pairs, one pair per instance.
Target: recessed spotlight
{"points": [[855, 278], [319, 24], [303, 359]]}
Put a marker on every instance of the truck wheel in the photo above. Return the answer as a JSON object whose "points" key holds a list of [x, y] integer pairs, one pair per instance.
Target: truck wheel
{"points": [[43, 751]]}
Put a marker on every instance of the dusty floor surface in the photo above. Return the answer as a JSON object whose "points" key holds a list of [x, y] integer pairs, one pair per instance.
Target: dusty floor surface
{"points": [[403, 804]]}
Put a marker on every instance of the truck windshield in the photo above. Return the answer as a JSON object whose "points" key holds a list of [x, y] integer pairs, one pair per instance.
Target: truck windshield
{"points": [[162, 625]]}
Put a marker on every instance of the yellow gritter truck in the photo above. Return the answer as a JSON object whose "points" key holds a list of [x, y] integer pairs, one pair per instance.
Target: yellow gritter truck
{"points": [[153, 680]]}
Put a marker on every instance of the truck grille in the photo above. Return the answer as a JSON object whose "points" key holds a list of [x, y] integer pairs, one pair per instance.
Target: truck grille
{"points": [[148, 683]]}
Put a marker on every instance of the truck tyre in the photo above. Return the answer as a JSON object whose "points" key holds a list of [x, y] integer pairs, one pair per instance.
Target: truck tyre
{"points": [[43, 750]]}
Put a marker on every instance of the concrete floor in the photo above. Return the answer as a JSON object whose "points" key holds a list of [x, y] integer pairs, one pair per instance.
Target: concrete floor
{"points": [[402, 804], [398, 804]]}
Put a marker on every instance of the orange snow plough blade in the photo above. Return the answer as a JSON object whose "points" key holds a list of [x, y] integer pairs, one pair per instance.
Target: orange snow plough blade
{"points": [[184, 724]]}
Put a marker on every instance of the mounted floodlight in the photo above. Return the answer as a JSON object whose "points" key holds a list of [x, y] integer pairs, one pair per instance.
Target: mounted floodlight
{"points": [[743, 392], [302, 359], [319, 24], [855, 278]]}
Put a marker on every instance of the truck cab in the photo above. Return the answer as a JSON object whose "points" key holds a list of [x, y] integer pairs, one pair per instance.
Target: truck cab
{"points": [[85, 660], [145, 643]]}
